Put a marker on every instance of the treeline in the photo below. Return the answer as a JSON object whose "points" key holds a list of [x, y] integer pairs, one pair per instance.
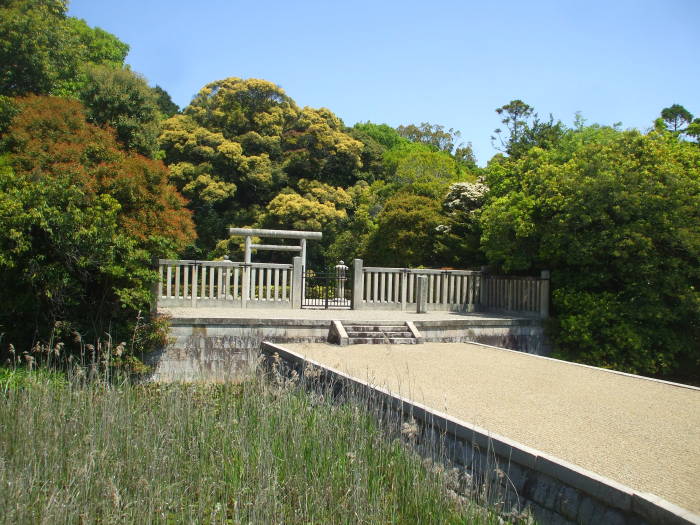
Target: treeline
{"points": [[101, 172]]}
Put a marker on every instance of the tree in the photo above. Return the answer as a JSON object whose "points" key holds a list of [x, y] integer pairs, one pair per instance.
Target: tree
{"points": [[382, 133], [436, 137], [42, 51], [406, 232], [461, 227], [526, 130], [676, 118], [166, 105], [315, 207], [121, 99], [616, 217], [80, 220], [317, 146], [221, 151], [353, 234], [371, 156], [516, 113], [693, 130], [423, 169], [432, 135], [34, 46], [241, 142]]}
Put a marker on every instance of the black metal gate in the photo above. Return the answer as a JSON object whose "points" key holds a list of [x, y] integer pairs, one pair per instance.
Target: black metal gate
{"points": [[330, 289]]}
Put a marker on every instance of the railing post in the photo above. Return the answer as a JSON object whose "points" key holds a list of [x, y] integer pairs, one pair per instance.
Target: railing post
{"points": [[404, 291], [445, 287], [296, 283], [245, 285], [544, 294], [357, 284], [421, 294], [483, 289], [195, 282]]}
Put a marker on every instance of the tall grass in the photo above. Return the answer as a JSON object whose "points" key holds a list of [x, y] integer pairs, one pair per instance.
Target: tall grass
{"points": [[256, 452]]}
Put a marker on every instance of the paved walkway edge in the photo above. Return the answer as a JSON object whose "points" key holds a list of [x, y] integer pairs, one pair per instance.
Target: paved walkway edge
{"points": [[555, 490]]}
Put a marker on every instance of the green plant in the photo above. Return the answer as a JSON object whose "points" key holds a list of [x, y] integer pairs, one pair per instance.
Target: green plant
{"points": [[256, 452]]}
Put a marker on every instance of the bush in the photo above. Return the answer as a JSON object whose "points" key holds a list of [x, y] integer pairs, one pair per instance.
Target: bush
{"points": [[616, 217], [80, 221]]}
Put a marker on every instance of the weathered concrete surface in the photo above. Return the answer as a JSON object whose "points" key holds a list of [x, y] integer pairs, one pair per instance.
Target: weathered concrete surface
{"points": [[518, 333], [213, 343], [312, 314], [639, 432]]}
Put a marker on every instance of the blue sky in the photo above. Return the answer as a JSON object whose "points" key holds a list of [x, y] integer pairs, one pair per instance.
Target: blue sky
{"points": [[445, 62]]}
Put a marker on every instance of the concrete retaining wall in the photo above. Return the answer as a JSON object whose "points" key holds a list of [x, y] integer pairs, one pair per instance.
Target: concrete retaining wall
{"points": [[217, 349], [556, 492]]}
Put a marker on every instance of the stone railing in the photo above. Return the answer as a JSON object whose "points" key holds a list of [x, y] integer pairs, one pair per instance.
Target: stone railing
{"points": [[185, 283], [516, 294], [451, 290], [397, 288], [223, 283]]}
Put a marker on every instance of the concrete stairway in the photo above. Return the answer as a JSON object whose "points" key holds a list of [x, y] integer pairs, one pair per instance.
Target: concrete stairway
{"points": [[375, 333]]}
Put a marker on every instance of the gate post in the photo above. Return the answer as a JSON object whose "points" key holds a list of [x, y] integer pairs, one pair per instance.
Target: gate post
{"points": [[357, 284], [297, 290]]}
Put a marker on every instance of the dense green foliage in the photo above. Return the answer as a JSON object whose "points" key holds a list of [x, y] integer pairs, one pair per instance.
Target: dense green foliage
{"points": [[80, 221], [121, 99], [248, 453], [613, 214], [616, 217], [245, 154], [42, 51], [45, 52]]}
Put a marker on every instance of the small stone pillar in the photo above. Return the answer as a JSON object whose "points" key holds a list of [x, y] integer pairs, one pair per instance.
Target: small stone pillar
{"points": [[341, 275], [297, 283], [421, 294], [357, 284]]}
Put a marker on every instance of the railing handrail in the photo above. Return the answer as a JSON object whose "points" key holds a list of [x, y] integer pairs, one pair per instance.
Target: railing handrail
{"points": [[419, 271], [230, 264]]}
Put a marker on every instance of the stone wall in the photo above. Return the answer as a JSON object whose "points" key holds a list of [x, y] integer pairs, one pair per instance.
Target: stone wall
{"points": [[219, 349]]}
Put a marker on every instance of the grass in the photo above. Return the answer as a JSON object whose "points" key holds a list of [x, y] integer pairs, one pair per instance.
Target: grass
{"points": [[257, 452]]}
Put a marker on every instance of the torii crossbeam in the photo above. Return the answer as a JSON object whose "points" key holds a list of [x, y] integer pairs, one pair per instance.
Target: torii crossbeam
{"points": [[248, 233]]}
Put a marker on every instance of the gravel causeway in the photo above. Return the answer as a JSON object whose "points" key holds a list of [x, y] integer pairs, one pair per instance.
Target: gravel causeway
{"points": [[639, 432]]}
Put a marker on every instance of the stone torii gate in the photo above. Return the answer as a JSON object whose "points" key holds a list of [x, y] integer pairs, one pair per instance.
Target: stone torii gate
{"points": [[299, 262], [248, 233]]}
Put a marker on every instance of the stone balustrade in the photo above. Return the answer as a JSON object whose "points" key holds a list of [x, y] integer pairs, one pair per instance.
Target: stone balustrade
{"points": [[189, 283], [223, 283]]}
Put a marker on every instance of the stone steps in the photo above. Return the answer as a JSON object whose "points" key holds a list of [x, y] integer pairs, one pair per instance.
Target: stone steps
{"points": [[376, 333]]}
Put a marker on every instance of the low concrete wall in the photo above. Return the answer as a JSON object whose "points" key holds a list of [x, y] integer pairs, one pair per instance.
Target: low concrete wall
{"points": [[524, 335], [217, 349], [556, 492]]}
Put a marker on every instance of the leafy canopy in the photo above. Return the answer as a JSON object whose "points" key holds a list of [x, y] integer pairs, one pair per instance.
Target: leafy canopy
{"points": [[80, 220], [616, 217]]}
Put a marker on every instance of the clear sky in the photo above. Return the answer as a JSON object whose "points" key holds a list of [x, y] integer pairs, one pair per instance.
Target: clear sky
{"points": [[443, 62]]}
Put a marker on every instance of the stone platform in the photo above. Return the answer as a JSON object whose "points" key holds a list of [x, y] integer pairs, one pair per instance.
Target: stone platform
{"points": [[214, 343]]}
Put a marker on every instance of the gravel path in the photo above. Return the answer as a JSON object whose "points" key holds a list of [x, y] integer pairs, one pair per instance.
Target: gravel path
{"points": [[639, 432]]}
